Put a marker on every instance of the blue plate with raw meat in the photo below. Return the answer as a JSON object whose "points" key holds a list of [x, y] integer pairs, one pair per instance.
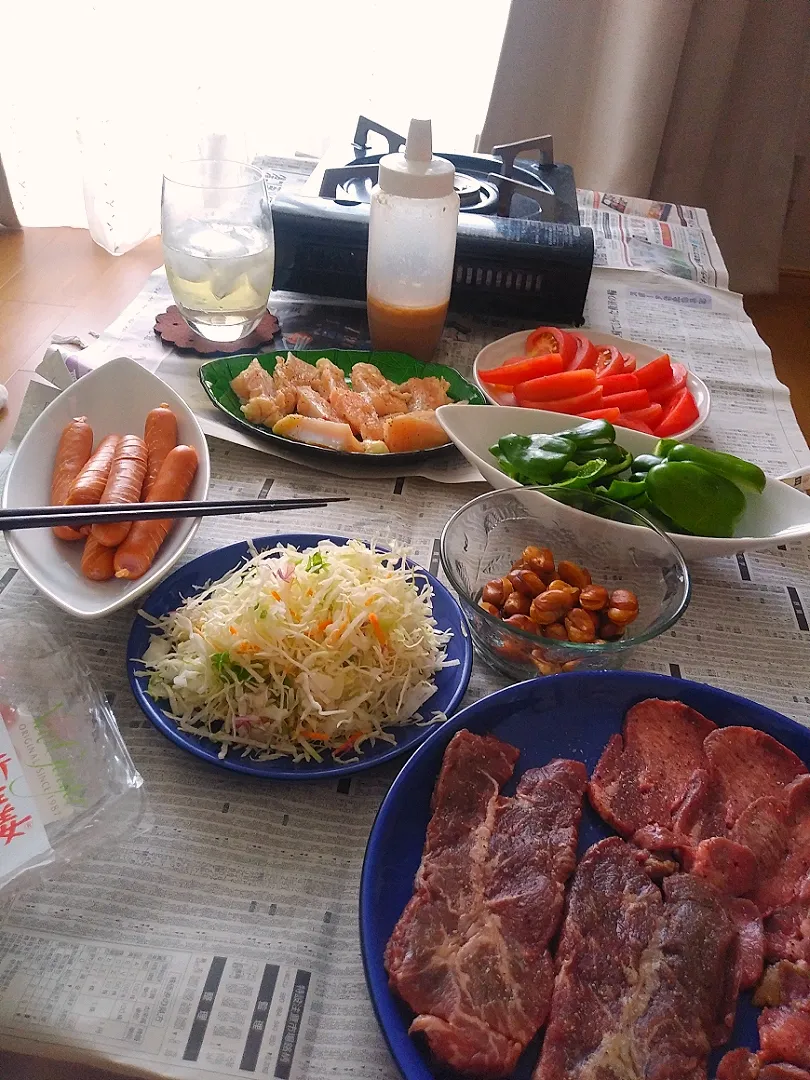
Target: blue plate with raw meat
{"points": [[303, 644], [470, 1007]]}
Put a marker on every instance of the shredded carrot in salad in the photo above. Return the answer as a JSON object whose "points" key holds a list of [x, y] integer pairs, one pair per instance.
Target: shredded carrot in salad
{"points": [[300, 653]]}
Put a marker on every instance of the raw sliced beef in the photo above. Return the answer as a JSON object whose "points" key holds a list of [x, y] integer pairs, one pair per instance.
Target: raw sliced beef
{"points": [[751, 764], [783, 893], [725, 864], [736, 807], [739, 1064], [784, 1023], [644, 773], [746, 918], [731, 805], [742, 1064], [677, 778], [646, 984], [701, 812], [470, 952]]}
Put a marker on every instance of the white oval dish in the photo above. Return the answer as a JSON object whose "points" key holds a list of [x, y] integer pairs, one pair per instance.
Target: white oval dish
{"points": [[780, 514], [498, 352], [115, 398]]}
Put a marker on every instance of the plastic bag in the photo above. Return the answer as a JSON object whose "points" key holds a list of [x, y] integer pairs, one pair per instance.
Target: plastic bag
{"points": [[67, 782]]}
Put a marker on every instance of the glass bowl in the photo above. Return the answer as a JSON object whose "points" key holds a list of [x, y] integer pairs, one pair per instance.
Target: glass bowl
{"points": [[485, 537]]}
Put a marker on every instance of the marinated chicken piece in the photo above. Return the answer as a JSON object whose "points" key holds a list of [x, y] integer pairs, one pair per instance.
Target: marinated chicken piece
{"points": [[329, 377], [310, 403], [357, 412], [427, 393], [294, 372], [413, 431], [268, 409], [326, 433], [254, 381], [383, 395]]}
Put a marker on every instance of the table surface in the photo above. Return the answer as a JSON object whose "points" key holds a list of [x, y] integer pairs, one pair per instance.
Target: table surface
{"points": [[57, 281], [110, 288]]}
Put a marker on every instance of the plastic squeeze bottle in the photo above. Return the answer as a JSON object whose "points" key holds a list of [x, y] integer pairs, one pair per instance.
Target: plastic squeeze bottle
{"points": [[411, 247]]}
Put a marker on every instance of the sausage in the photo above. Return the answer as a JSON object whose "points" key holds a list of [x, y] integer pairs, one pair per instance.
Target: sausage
{"points": [[97, 560], [72, 454], [123, 485], [160, 436], [134, 557], [88, 487]]}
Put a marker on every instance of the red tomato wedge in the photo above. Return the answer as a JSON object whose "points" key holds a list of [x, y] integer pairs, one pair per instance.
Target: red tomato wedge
{"points": [[664, 391], [629, 362], [520, 369], [611, 415], [636, 425], [651, 416], [585, 355], [575, 406], [656, 372], [564, 384], [609, 360], [679, 413], [550, 339], [618, 384], [632, 399]]}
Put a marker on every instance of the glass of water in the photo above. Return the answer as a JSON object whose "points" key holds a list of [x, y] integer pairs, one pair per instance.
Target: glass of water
{"points": [[218, 245]]}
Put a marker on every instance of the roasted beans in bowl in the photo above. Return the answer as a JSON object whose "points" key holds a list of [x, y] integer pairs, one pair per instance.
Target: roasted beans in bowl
{"points": [[546, 591], [559, 602]]}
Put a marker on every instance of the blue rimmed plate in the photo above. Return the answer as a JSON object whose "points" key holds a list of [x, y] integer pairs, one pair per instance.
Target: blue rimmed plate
{"points": [[563, 716], [451, 682]]}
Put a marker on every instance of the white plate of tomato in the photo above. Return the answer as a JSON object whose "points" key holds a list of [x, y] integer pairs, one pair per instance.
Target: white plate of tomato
{"points": [[594, 375]]}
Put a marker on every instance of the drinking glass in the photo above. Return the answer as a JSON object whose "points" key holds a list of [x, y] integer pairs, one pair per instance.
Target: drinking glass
{"points": [[218, 245]]}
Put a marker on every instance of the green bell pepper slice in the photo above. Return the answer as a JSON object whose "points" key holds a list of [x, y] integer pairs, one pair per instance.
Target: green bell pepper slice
{"points": [[702, 502], [744, 474], [533, 459], [612, 453], [616, 458], [663, 447], [584, 475], [625, 490], [591, 435], [644, 462]]}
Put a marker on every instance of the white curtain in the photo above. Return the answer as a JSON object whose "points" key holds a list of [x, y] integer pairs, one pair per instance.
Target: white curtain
{"points": [[691, 101], [96, 95]]}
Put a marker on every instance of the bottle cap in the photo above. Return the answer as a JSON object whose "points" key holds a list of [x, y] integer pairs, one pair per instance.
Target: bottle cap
{"points": [[416, 173]]}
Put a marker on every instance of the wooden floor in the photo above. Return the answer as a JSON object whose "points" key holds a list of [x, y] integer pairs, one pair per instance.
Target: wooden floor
{"points": [[57, 281], [783, 323]]}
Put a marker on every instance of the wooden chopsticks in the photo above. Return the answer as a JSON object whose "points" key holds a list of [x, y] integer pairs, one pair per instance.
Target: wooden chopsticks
{"points": [[46, 517]]}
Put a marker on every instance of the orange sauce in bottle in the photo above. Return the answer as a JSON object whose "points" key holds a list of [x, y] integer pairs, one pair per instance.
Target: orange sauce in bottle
{"points": [[411, 330]]}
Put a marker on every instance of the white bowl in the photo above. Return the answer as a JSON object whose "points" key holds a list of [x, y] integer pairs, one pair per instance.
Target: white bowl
{"points": [[498, 352], [115, 398], [779, 514]]}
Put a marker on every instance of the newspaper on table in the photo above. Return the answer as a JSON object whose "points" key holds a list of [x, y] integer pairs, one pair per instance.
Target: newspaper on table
{"points": [[638, 234], [221, 940]]}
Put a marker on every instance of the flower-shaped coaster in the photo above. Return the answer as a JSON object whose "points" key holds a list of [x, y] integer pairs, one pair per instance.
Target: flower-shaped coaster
{"points": [[173, 329]]}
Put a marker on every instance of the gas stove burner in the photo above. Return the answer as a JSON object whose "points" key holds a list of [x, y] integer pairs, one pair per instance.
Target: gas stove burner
{"points": [[476, 194], [352, 184], [504, 183], [520, 249], [522, 194]]}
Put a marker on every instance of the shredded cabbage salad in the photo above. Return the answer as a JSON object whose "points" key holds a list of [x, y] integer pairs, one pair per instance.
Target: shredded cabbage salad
{"points": [[299, 652]]}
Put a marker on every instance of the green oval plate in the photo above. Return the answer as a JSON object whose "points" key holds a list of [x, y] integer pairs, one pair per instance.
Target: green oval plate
{"points": [[216, 376]]}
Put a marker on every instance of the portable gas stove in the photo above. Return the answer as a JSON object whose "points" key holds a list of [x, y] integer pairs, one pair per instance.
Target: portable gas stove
{"points": [[520, 247]]}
